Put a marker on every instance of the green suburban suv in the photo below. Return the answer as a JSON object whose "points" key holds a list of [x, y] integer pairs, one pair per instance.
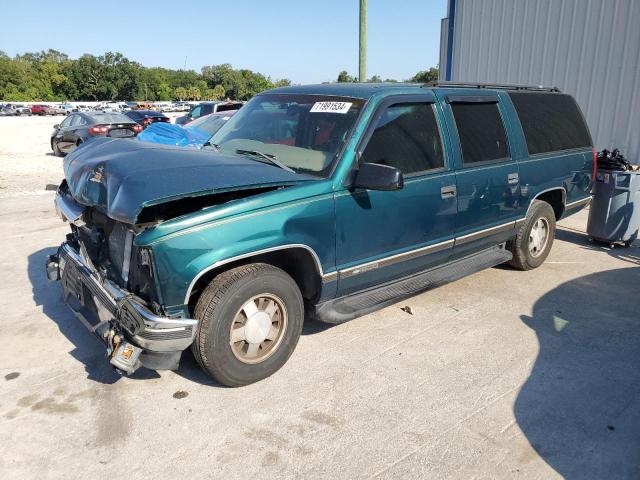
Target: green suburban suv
{"points": [[324, 201]]}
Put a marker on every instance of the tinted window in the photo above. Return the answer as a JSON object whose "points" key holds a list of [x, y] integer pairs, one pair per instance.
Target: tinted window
{"points": [[109, 118], [206, 109], [551, 122], [228, 106], [481, 132], [195, 113], [76, 120], [406, 137]]}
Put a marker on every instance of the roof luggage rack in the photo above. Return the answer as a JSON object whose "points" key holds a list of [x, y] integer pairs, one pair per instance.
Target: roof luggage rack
{"points": [[504, 86]]}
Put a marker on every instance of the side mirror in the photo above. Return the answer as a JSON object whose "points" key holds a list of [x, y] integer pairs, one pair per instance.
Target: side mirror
{"points": [[56, 126], [375, 176]]}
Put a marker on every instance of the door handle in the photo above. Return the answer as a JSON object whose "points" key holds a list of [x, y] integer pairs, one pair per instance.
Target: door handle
{"points": [[448, 192], [513, 178]]}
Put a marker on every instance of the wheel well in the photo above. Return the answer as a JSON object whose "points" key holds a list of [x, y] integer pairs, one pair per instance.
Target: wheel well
{"points": [[555, 198], [296, 262]]}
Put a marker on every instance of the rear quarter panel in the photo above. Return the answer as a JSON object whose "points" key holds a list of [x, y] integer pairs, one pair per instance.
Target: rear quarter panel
{"points": [[570, 171]]}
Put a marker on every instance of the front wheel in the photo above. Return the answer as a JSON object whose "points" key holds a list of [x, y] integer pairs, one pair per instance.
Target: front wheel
{"points": [[534, 239], [250, 321]]}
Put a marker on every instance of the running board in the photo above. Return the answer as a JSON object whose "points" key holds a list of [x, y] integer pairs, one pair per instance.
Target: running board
{"points": [[345, 308]]}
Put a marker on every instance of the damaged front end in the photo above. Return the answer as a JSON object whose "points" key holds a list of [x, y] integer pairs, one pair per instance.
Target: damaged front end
{"points": [[109, 284]]}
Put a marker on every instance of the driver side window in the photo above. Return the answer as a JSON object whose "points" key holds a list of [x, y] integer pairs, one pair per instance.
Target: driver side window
{"points": [[407, 137]]}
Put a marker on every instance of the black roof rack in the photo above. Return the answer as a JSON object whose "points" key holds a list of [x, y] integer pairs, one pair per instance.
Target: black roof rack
{"points": [[503, 86]]}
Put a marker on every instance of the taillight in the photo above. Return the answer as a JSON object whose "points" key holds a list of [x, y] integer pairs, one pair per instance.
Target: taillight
{"points": [[146, 121], [137, 128], [98, 130]]}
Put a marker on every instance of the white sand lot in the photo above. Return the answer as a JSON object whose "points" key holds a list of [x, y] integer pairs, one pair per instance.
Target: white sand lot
{"points": [[27, 164]]}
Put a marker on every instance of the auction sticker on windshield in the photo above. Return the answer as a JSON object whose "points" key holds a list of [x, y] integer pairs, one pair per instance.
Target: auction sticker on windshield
{"points": [[330, 107]]}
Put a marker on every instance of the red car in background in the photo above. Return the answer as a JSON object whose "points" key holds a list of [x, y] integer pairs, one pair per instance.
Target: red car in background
{"points": [[42, 110]]}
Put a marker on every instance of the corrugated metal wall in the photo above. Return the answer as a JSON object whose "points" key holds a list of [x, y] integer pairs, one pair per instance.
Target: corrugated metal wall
{"points": [[589, 48]]}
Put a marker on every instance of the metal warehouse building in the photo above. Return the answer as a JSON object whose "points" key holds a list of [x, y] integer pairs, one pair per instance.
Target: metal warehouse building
{"points": [[588, 48]]}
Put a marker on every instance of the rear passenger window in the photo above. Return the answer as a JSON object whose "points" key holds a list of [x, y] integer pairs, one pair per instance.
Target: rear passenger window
{"points": [[406, 137], [481, 132], [550, 121]]}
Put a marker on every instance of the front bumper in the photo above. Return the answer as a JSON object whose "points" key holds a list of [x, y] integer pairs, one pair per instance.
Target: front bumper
{"points": [[106, 310]]}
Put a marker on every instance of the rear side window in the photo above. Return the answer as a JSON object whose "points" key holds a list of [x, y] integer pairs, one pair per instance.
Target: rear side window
{"points": [[481, 132], [206, 109], [406, 137], [551, 122]]}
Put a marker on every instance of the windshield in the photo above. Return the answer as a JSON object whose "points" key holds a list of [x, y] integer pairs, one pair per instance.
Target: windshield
{"points": [[211, 123], [303, 132]]}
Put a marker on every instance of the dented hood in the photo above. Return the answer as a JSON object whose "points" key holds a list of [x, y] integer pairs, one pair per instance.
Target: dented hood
{"points": [[121, 177]]}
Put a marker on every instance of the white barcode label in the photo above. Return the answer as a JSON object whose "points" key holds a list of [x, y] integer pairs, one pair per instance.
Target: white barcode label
{"points": [[331, 107]]}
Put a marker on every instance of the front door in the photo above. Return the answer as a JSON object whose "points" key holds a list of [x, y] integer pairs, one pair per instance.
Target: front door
{"points": [[385, 235], [487, 176]]}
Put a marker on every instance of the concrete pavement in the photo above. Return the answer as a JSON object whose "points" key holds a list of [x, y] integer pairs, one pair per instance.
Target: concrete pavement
{"points": [[503, 374]]}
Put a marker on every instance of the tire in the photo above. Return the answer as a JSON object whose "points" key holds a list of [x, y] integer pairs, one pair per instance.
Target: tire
{"points": [[223, 306], [56, 149], [528, 249]]}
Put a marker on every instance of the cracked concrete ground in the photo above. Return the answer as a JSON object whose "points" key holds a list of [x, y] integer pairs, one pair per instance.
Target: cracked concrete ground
{"points": [[503, 374]]}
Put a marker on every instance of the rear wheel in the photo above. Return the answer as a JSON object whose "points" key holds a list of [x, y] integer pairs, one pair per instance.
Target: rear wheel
{"points": [[56, 148], [534, 239], [250, 322]]}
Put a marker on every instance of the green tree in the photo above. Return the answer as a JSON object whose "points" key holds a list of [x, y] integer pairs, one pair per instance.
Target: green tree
{"points": [[344, 77], [180, 93], [425, 76], [193, 93]]}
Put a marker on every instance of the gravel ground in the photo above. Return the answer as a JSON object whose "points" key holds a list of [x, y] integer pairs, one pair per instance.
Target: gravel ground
{"points": [[503, 374]]}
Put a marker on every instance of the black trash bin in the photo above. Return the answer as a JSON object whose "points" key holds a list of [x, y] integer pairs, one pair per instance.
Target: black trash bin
{"points": [[614, 215]]}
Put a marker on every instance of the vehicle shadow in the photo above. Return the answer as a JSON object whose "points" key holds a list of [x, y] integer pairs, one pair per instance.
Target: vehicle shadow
{"points": [[580, 406], [190, 369], [87, 348], [629, 254]]}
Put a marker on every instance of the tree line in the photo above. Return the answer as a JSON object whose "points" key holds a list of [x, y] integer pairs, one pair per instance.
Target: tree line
{"points": [[53, 76], [424, 76]]}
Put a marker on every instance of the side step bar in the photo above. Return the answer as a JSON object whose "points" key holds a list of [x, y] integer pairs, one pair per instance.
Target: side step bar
{"points": [[346, 308]]}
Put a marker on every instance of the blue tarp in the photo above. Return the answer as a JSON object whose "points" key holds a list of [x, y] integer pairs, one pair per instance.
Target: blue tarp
{"points": [[171, 134]]}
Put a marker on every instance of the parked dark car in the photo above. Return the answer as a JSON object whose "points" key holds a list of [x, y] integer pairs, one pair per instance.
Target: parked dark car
{"points": [[207, 108], [42, 110], [195, 134], [320, 201], [80, 126], [146, 117]]}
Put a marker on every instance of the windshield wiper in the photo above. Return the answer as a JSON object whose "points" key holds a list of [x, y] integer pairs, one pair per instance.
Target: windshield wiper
{"points": [[209, 144], [269, 158]]}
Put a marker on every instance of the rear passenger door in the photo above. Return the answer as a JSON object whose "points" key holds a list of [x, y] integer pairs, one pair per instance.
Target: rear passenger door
{"points": [[385, 235], [487, 176]]}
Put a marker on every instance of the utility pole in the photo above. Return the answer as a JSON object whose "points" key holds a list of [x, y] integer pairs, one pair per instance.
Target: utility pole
{"points": [[362, 70]]}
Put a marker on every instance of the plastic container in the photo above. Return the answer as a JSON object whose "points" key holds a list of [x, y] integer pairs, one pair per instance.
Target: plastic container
{"points": [[614, 215]]}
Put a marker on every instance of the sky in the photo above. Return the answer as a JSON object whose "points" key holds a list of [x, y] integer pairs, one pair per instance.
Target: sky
{"points": [[306, 41]]}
